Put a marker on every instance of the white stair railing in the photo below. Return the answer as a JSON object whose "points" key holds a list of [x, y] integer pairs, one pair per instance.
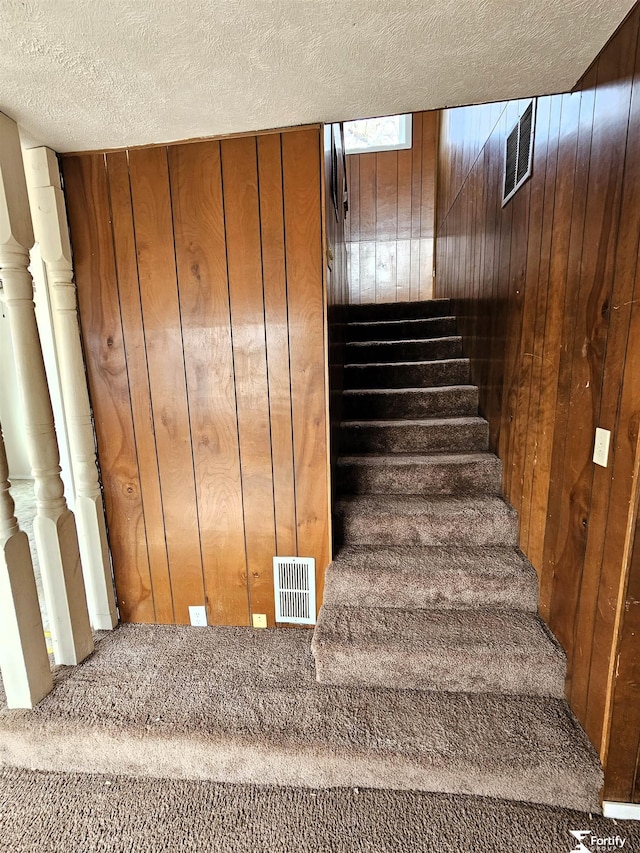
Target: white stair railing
{"points": [[24, 661], [54, 524], [51, 230]]}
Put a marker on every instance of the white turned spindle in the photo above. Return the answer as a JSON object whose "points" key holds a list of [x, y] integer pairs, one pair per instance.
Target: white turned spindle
{"points": [[24, 662], [54, 525], [50, 225]]}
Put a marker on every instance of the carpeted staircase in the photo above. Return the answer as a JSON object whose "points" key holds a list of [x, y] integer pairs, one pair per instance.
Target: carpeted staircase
{"points": [[429, 591], [432, 671]]}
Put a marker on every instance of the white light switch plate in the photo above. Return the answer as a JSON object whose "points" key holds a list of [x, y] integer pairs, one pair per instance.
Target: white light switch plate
{"points": [[601, 447], [198, 616]]}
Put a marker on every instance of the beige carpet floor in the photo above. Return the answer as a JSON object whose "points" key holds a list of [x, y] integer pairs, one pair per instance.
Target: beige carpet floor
{"points": [[243, 706], [58, 813]]}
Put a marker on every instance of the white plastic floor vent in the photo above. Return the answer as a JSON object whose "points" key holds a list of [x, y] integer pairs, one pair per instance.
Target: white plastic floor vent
{"points": [[518, 155], [294, 580]]}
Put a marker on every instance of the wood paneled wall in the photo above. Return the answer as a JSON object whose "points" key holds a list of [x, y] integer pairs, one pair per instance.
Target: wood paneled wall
{"points": [[391, 220], [548, 293], [200, 283]]}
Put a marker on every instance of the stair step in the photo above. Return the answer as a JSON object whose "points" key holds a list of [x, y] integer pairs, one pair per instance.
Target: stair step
{"points": [[415, 520], [467, 651], [396, 330], [398, 310], [244, 707], [377, 403], [371, 352], [412, 374], [416, 577], [414, 436], [397, 474]]}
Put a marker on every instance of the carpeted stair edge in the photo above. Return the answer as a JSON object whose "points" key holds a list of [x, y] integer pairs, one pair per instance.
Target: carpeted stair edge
{"points": [[415, 520], [484, 650], [411, 577], [437, 474]]}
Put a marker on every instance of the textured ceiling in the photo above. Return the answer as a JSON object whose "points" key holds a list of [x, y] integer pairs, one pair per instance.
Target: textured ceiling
{"points": [[87, 74]]}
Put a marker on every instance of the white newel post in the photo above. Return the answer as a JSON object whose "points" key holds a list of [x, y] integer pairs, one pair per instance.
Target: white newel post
{"points": [[24, 661], [54, 525], [51, 231]]}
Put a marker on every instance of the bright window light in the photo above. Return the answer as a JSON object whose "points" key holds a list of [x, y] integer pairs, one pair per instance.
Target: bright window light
{"points": [[389, 133]]}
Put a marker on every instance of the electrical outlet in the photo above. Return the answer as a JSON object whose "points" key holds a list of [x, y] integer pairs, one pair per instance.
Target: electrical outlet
{"points": [[601, 447], [259, 620], [198, 616]]}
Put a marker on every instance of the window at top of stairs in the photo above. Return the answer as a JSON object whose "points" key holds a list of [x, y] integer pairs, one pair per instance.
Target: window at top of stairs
{"points": [[388, 133]]}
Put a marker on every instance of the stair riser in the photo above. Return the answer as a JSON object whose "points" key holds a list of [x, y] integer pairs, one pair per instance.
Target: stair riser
{"points": [[451, 670], [430, 403], [414, 438], [412, 590], [465, 528], [472, 478], [398, 311], [437, 327], [369, 353], [426, 375]]}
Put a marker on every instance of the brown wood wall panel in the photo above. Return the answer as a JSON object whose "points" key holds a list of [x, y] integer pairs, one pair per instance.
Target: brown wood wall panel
{"points": [[274, 270], [198, 222], [202, 304], [545, 291], [89, 217], [137, 366], [390, 225], [309, 391], [151, 202], [242, 216]]}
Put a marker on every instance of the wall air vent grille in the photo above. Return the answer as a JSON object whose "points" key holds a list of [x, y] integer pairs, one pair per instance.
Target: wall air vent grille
{"points": [[518, 155], [294, 580]]}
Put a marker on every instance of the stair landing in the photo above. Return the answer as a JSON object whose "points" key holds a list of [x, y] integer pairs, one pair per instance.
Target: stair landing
{"points": [[243, 705]]}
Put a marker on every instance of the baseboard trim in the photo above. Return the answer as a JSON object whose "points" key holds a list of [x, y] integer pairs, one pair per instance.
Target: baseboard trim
{"points": [[621, 811]]}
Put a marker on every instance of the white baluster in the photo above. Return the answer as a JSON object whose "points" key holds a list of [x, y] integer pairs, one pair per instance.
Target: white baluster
{"points": [[51, 231], [54, 525], [24, 661]]}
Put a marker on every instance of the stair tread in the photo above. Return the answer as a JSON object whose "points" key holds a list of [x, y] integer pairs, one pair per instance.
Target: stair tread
{"points": [[399, 459], [486, 649], [399, 343], [428, 576], [417, 504], [417, 363], [463, 420], [418, 630], [251, 711], [481, 558], [396, 322], [436, 390]]}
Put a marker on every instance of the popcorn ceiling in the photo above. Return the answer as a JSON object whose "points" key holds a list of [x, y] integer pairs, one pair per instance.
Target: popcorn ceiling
{"points": [[81, 75]]}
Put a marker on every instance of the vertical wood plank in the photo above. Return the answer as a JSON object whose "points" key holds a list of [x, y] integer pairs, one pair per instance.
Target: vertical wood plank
{"points": [[88, 208], [163, 336], [531, 418], [386, 199], [404, 193], [137, 367], [368, 193], [242, 216], [306, 303], [278, 356], [198, 221]]}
